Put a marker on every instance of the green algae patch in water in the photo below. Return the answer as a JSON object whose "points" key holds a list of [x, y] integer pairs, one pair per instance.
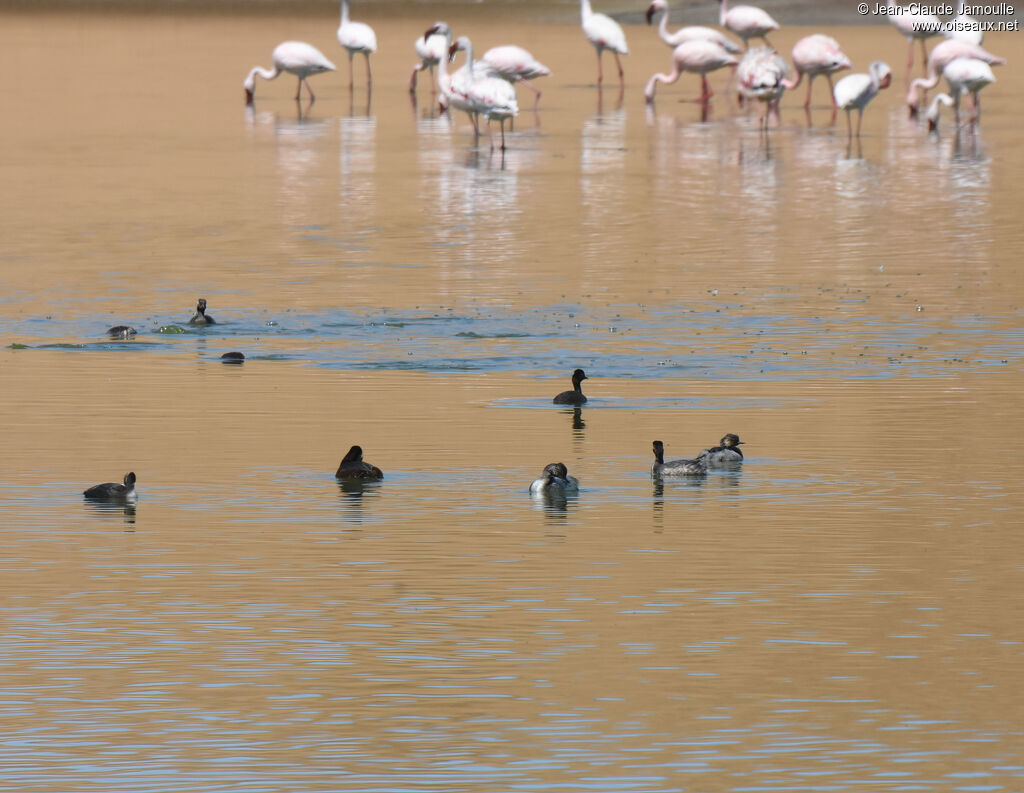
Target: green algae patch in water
{"points": [[17, 346], [171, 329]]}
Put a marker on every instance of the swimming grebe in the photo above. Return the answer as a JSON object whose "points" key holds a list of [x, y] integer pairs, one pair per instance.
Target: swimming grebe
{"points": [[555, 478], [574, 397], [200, 317], [724, 455], [113, 491], [675, 467], [354, 468], [121, 332]]}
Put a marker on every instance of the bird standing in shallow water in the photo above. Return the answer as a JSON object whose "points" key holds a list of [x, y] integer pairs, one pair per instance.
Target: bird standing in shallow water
{"points": [[113, 491], [574, 397], [294, 57], [353, 467], [747, 22], [697, 56], [855, 90], [662, 467], [356, 37], [817, 54], [605, 34]]}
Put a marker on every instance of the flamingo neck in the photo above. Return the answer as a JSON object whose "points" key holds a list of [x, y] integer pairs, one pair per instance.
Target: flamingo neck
{"points": [[663, 26], [344, 12], [723, 11], [266, 74], [586, 10]]}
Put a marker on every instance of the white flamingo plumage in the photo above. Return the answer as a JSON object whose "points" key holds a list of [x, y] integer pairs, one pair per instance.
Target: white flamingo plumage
{"points": [[964, 27], [294, 57], [356, 37], [963, 75], [430, 49], [514, 65], [747, 22], [817, 54], [944, 53], [688, 33], [492, 97], [698, 57], [914, 24], [454, 88], [761, 75], [605, 34], [855, 91]]}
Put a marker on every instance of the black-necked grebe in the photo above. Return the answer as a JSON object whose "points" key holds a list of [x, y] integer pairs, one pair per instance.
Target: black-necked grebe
{"points": [[574, 397], [201, 317], [675, 467], [121, 332], [725, 455], [555, 478], [353, 467], [113, 491], [233, 357]]}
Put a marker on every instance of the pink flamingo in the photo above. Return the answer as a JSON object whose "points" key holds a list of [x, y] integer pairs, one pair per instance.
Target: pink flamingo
{"points": [[688, 33], [699, 57], [605, 34], [431, 50], [514, 65], [914, 24], [761, 75], [942, 55], [814, 55], [962, 74], [855, 91], [294, 57], [747, 22]]}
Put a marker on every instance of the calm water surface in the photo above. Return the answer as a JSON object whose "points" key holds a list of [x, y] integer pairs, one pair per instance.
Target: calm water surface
{"points": [[842, 614]]}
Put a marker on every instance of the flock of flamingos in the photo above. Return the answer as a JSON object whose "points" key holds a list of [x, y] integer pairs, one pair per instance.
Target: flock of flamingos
{"points": [[485, 86]]}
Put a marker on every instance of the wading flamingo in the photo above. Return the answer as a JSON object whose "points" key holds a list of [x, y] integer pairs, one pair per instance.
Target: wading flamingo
{"points": [[817, 54], [747, 22], [699, 57], [688, 33], [514, 65], [856, 90], [761, 75], [964, 75], [430, 49], [605, 34], [356, 37], [914, 24], [491, 97], [942, 55], [294, 57]]}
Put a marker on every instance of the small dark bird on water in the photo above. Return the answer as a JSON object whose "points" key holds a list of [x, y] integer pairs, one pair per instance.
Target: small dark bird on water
{"points": [[232, 357], [675, 467], [574, 397], [201, 317], [112, 491], [353, 467], [724, 455], [121, 332]]}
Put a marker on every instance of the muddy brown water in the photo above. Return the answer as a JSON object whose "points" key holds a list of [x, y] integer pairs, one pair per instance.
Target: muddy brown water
{"points": [[841, 614]]}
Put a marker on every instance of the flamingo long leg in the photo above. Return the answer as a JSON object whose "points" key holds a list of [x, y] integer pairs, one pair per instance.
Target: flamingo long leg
{"points": [[369, 74], [622, 78], [600, 72]]}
